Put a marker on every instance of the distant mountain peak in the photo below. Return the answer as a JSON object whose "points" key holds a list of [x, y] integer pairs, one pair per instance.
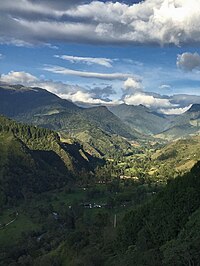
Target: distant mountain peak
{"points": [[194, 108]]}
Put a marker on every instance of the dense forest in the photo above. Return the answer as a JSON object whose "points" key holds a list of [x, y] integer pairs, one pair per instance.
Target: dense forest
{"points": [[160, 230]]}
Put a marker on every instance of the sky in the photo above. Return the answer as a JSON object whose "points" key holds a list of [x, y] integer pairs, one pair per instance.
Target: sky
{"points": [[105, 52]]}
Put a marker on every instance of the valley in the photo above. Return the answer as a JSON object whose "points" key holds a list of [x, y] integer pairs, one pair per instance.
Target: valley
{"points": [[99, 133], [86, 186]]}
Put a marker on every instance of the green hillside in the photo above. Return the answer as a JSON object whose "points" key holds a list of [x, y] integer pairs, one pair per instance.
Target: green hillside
{"points": [[33, 160], [176, 158]]}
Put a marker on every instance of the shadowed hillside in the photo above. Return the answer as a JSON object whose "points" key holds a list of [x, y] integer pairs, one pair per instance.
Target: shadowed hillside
{"points": [[35, 160]]}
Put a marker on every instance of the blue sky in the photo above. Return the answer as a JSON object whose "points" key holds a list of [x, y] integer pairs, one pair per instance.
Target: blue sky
{"points": [[104, 52]]}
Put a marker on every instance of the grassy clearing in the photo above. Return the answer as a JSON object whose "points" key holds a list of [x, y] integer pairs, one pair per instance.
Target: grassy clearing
{"points": [[12, 233]]}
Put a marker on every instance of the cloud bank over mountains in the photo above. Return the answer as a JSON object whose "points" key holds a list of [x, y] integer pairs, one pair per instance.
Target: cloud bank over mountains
{"points": [[132, 93], [161, 22]]}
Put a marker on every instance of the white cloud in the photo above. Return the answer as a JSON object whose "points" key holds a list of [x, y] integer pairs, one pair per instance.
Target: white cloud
{"points": [[165, 87], [151, 21], [147, 100], [87, 60], [176, 104], [18, 78], [28, 79], [87, 98], [133, 84], [188, 61], [175, 111], [80, 96], [84, 74]]}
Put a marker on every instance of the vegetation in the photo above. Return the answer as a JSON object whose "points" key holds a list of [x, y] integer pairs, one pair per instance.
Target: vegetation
{"points": [[64, 230], [179, 156], [92, 194], [149, 242], [34, 160]]}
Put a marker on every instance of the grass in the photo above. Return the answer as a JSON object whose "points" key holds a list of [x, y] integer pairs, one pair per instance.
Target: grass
{"points": [[69, 198], [12, 233], [26, 222], [7, 216]]}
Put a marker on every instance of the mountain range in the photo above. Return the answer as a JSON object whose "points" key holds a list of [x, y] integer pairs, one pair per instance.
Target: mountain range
{"points": [[63, 147], [183, 125], [149, 122], [40, 107], [98, 129], [141, 118]]}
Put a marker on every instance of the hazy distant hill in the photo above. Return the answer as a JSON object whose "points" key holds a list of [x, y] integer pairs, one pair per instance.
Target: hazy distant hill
{"points": [[141, 118], [183, 125]]}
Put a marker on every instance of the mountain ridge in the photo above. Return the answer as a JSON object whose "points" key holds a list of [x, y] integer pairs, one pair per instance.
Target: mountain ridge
{"points": [[42, 108], [141, 118]]}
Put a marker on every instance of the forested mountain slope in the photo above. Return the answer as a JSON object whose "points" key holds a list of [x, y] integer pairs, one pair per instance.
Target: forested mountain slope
{"points": [[34, 160], [164, 231]]}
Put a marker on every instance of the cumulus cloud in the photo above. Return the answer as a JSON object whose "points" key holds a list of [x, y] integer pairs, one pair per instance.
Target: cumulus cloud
{"points": [[188, 61], [18, 78], [169, 105], [101, 95], [150, 21], [134, 94], [80, 96], [84, 74], [87, 60], [133, 84], [87, 98], [147, 100]]}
